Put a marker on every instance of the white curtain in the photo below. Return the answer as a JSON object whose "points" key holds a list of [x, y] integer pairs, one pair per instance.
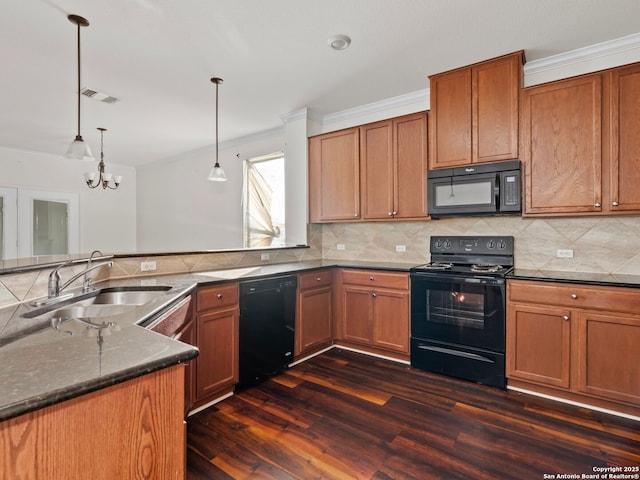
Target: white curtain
{"points": [[260, 231]]}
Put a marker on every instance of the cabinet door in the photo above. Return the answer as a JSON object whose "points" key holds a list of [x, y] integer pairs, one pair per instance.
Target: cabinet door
{"points": [[625, 139], [495, 87], [410, 158], [562, 146], [608, 356], [357, 315], [451, 118], [538, 344], [377, 180], [391, 320], [314, 313], [188, 335], [334, 176], [217, 365]]}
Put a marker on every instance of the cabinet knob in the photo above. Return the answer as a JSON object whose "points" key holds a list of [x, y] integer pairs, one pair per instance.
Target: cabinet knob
{"points": [[598, 205], [565, 318], [374, 294], [355, 215], [371, 278], [390, 214], [318, 279], [219, 295], [615, 204], [394, 213], [574, 296]]}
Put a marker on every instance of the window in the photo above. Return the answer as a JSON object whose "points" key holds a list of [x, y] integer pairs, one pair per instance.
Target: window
{"points": [[264, 201]]}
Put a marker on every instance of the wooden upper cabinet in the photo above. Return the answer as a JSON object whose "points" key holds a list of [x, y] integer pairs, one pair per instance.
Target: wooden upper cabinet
{"points": [[377, 171], [411, 163], [394, 168], [475, 112], [376, 141], [334, 176], [625, 140], [562, 137], [451, 118], [495, 88]]}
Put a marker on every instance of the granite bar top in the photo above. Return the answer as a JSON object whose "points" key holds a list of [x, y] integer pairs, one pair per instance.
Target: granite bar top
{"points": [[586, 278], [43, 364]]}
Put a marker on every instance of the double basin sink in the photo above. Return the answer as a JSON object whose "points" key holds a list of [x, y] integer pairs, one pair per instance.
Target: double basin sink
{"points": [[95, 305]]}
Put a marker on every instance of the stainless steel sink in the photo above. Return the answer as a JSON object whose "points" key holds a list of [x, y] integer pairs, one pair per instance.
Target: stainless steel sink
{"points": [[124, 297], [85, 311], [106, 302]]}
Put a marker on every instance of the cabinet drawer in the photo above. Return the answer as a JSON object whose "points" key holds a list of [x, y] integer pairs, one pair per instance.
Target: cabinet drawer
{"points": [[320, 278], [217, 296], [615, 299], [376, 278]]}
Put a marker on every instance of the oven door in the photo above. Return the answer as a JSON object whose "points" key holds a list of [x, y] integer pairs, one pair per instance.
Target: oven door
{"points": [[459, 310]]}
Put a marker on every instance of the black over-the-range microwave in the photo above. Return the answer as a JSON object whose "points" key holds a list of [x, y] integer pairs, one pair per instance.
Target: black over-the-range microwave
{"points": [[484, 189]]}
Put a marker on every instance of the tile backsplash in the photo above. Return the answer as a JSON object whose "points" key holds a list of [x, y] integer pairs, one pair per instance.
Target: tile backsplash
{"points": [[608, 244], [600, 244]]}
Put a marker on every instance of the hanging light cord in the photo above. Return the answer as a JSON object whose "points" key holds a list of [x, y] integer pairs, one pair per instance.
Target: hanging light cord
{"points": [[78, 135], [217, 85]]}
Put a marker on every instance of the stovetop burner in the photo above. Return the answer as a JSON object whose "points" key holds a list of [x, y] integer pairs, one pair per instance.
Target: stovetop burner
{"points": [[486, 267], [437, 266], [482, 256]]}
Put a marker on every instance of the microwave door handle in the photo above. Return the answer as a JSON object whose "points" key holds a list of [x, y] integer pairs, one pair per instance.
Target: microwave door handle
{"points": [[496, 190]]}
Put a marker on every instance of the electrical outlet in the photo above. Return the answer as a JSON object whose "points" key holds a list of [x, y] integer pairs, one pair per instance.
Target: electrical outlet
{"points": [[401, 248], [564, 253], [340, 246], [265, 256], [147, 266]]}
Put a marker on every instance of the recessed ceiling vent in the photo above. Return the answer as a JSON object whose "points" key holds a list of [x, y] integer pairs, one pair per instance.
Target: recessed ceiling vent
{"points": [[100, 97]]}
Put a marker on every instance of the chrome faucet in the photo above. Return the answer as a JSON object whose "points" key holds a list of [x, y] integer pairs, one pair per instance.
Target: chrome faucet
{"points": [[54, 287]]}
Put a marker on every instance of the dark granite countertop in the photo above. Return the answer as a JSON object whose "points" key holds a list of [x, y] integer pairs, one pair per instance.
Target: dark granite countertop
{"points": [[41, 366], [586, 278]]}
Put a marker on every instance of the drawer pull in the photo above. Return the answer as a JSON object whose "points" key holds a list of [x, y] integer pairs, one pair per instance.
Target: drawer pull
{"points": [[574, 296], [318, 279], [565, 318], [371, 278]]}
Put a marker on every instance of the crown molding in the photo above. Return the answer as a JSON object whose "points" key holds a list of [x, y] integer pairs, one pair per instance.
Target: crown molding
{"points": [[419, 99], [612, 53]]}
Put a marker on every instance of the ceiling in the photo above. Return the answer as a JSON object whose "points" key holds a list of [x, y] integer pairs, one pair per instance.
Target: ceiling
{"points": [[157, 56]]}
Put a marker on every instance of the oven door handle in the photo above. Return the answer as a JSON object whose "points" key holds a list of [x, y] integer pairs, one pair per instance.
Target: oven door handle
{"points": [[449, 351]]}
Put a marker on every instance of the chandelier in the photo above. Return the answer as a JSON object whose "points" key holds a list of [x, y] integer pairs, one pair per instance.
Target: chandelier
{"points": [[106, 180]]}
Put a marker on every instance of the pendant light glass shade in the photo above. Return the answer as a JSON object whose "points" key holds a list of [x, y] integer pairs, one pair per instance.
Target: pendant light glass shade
{"points": [[217, 174], [78, 149]]}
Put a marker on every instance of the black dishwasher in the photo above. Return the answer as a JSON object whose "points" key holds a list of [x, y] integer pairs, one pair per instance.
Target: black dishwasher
{"points": [[267, 321]]}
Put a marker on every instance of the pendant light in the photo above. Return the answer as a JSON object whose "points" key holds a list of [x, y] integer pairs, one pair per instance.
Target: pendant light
{"points": [[217, 174], [105, 180], [79, 149]]}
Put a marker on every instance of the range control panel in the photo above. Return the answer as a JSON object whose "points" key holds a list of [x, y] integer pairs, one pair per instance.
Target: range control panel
{"points": [[483, 245]]}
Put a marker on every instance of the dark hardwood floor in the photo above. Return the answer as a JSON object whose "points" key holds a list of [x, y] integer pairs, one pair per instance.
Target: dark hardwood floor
{"points": [[345, 415]]}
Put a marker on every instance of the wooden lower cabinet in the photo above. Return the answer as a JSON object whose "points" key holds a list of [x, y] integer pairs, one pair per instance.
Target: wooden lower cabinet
{"points": [[373, 311], [575, 342], [217, 337], [314, 316], [134, 429]]}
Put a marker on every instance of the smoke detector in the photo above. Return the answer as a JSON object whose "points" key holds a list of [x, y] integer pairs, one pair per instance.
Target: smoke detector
{"points": [[98, 96], [339, 42]]}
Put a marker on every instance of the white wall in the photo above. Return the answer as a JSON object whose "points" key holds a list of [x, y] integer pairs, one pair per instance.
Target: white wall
{"points": [[180, 210], [107, 218]]}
